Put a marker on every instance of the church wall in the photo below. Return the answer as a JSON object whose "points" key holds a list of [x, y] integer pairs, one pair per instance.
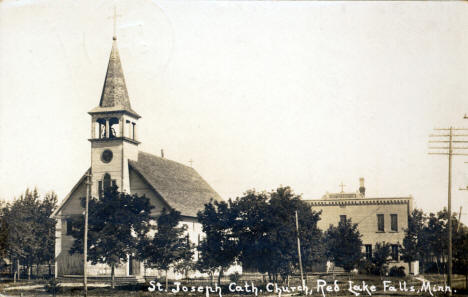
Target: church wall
{"points": [[68, 264], [99, 168], [130, 152], [73, 205]]}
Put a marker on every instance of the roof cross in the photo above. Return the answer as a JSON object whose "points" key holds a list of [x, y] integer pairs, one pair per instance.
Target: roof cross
{"points": [[191, 162], [115, 16], [342, 187]]}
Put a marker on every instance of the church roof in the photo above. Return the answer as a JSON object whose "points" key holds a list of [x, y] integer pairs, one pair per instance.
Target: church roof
{"points": [[179, 185], [114, 95]]}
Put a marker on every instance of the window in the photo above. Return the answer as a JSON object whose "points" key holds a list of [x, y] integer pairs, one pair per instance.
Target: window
{"points": [[343, 219], [100, 188], [395, 252], [105, 184], [394, 222], [368, 251], [69, 226], [380, 223]]}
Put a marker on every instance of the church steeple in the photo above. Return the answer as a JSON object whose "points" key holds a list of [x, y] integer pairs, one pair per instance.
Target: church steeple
{"points": [[114, 96], [114, 138]]}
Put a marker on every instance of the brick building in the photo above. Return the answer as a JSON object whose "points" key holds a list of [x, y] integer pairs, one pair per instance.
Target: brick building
{"points": [[116, 160], [379, 219]]}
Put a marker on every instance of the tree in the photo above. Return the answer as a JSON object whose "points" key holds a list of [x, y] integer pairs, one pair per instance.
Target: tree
{"points": [[3, 234], [218, 249], [117, 222], [169, 245], [436, 236], [460, 251], [380, 257], [266, 228], [46, 229], [343, 245], [251, 228], [414, 240], [3, 231], [25, 233]]}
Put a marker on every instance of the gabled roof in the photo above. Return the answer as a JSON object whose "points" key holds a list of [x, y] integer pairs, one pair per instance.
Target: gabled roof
{"points": [[114, 95], [179, 185]]}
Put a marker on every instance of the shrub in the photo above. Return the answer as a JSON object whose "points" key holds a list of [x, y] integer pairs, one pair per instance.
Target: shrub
{"points": [[397, 271], [53, 287], [235, 277], [367, 267]]}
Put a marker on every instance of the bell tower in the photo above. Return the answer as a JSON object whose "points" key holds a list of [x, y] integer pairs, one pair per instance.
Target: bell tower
{"points": [[113, 131]]}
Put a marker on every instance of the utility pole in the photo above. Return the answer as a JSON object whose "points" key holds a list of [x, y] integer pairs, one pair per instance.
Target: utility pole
{"points": [[85, 240], [459, 218], [299, 250], [447, 138]]}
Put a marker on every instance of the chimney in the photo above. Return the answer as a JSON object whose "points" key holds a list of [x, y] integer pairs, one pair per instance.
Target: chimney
{"points": [[362, 189], [162, 153]]}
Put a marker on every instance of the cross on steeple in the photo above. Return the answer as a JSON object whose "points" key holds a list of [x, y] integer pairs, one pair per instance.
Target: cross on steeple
{"points": [[191, 162], [342, 187], [115, 16]]}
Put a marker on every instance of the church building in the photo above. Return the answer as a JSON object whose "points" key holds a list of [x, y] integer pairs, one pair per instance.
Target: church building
{"points": [[116, 160]]}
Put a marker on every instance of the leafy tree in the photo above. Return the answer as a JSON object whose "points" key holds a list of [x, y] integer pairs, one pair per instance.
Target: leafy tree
{"points": [[460, 251], [21, 217], [187, 263], [343, 245], [116, 223], [27, 232], [414, 240], [266, 229], [3, 234], [169, 245], [46, 229], [380, 257], [436, 237], [252, 227], [3, 230], [218, 249]]}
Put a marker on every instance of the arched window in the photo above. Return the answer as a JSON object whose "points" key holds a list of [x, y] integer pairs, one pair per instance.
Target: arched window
{"points": [[106, 183]]}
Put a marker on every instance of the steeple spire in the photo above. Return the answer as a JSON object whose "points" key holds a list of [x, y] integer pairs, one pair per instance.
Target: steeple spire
{"points": [[114, 96], [114, 92]]}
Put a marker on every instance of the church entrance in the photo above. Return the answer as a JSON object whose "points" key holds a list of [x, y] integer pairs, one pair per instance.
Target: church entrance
{"points": [[134, 266]]}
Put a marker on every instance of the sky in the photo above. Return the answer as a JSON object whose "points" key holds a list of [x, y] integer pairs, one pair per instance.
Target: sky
{"points": [[257, 94]]}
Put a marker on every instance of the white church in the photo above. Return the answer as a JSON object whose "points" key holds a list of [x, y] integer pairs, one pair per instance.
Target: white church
{"points": [[116, 160]]}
